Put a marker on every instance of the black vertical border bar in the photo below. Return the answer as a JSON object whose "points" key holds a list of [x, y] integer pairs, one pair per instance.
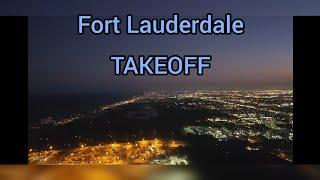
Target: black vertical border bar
{"points": [[14, 72], [306, 56]]}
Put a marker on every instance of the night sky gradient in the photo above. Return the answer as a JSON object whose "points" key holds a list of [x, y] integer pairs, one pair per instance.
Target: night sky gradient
{"points": [[60, 60]]}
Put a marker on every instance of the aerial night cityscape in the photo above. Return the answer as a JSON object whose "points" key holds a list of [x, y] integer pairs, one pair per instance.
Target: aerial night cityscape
{"points": [[236, 109], [150, 90], [171, 128]]}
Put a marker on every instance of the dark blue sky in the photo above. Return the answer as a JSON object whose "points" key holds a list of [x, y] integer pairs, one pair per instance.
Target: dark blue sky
{"points": [[62, 61], [160, 7]]}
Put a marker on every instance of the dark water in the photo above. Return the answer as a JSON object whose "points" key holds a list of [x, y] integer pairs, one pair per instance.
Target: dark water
{"points": [[66, 105]]}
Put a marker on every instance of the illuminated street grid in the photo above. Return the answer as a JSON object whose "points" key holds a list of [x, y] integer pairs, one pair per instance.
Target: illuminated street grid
{"points": [[246, 113], [140, 152], [256, 116], [262, 118]]}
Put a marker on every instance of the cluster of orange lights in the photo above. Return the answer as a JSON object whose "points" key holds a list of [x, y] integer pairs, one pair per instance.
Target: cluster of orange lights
{"points": [[139, 152]]}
